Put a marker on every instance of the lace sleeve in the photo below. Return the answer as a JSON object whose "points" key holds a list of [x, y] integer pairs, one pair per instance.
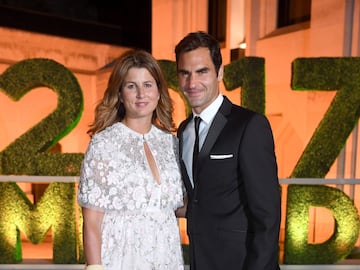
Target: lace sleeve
{"points": [[92, 189]]}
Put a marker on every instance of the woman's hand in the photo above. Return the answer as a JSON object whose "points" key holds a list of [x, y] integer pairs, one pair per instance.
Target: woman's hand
{"points": [[181, 211]]}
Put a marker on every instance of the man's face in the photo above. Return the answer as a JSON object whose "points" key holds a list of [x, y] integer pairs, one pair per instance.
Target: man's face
{"points": [[198, 79]]}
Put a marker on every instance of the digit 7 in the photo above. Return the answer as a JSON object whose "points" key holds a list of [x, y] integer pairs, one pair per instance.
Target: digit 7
{"points": [[328, 74]]}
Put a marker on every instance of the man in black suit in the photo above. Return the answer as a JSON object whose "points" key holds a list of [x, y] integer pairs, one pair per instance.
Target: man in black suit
{"points": [[233, 211]]}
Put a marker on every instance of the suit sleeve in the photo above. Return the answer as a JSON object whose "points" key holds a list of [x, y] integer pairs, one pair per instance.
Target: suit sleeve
{"points": [[259, 171]]}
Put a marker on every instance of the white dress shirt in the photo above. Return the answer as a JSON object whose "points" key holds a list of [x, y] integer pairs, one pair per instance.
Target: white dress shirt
{"points": [[207, 116]]}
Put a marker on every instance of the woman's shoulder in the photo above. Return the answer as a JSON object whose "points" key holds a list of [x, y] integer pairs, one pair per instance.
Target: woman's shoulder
{"points": [[163, 138], [109, 134], [162, 133], [106, 141]]}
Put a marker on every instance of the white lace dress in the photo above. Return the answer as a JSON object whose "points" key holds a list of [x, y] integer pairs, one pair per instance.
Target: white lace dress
{"points": [[139, 230]]}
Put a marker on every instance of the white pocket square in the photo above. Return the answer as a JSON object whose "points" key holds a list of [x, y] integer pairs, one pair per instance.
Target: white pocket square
{"points": [[221, 156]]}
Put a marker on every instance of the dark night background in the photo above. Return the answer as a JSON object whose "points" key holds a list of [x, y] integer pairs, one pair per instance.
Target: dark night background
{"points": [[117, 22]]}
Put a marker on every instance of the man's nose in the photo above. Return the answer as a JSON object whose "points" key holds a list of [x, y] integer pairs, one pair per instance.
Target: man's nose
{"points": [[192, 81]]}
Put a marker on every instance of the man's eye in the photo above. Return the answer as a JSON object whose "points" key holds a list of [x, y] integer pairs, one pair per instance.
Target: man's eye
{"points": [[183, 73]]}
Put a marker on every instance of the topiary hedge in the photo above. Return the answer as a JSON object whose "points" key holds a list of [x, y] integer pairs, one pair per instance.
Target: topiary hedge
{"points": [[29, 155], [328, 74], [324, 74]]}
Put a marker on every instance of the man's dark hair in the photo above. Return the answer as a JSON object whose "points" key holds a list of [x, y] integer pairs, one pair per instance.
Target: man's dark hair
{"points": [[197, 40]]}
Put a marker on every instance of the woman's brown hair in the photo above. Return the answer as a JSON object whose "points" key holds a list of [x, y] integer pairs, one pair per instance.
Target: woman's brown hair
{"points": [[111, 110]]}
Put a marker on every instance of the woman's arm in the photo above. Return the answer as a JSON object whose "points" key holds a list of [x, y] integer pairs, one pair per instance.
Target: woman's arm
{"points": [[92, 221]]}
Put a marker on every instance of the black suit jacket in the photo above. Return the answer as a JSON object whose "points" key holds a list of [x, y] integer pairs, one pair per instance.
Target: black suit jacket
{"points": [[233, 213]]}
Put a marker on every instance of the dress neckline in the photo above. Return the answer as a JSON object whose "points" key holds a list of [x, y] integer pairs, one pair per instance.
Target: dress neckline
{"points": [[142, 136]]}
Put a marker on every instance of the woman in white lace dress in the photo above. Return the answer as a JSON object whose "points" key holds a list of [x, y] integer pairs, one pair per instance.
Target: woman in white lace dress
{"points": [[130, 183]]}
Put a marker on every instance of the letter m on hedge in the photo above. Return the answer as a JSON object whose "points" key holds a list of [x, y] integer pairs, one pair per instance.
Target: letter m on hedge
{"points": [[55, 211]]}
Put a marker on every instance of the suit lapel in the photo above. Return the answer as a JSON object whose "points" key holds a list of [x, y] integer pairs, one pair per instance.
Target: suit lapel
{"points": [[215, 129], [184, 172]]}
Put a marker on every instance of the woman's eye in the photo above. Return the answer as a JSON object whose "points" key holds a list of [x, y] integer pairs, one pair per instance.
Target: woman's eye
{"points": [[130, 86]]}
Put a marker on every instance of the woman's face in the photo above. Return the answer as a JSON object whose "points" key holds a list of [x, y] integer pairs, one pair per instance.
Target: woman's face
{"points": [[139, 94]]}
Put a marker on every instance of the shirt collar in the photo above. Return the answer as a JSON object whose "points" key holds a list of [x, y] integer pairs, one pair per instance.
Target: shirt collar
{"points": [[208, 114]]}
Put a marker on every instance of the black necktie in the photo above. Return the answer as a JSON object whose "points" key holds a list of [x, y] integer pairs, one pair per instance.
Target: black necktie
{"points": [[197, 121]]}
